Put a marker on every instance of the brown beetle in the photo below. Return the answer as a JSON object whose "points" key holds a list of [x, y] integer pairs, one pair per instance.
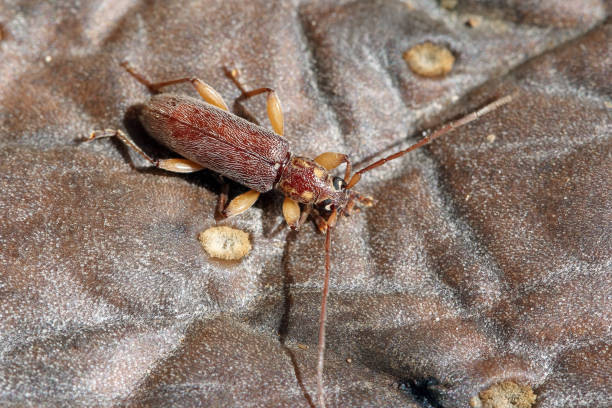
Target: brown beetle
{"points": [[207, 135]]}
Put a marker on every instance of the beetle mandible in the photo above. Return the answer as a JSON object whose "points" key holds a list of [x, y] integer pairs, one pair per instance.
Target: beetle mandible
{"points": [[207, 135]]}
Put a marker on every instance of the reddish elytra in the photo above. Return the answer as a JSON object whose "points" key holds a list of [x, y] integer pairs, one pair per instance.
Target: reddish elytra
{"points": [[207, 135]]}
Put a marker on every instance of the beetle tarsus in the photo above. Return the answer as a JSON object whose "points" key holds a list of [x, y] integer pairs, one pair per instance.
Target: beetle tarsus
{"points": [[99, 134], [233, 74]]}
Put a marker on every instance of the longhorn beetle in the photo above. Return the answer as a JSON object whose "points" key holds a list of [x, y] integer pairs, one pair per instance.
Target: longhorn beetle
{"points": [[207, 135]]}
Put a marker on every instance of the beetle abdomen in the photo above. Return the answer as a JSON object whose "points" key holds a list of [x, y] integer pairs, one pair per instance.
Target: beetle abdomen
{"points": [[227, 144]]}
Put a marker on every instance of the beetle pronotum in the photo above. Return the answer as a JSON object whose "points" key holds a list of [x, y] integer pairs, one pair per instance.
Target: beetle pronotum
{"points": [[207, 135]]}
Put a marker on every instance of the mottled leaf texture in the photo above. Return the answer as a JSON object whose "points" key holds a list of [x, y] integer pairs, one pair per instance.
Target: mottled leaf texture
{"points": [[486, 257]]}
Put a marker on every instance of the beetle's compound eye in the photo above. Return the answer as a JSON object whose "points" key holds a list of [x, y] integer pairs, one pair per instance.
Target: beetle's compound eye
{"points": [[326, 204], [339, 183]]}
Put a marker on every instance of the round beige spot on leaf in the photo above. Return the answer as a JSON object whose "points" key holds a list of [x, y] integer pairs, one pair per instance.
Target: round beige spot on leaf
{"points": [[225, 243], [507, 394], [429, 60], [449, 4]]}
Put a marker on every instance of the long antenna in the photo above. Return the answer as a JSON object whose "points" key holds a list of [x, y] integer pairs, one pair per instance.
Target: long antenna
{"points": [[427, 139], [323, 319]]}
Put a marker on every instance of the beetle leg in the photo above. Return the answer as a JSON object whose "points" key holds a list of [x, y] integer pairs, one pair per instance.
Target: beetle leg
{"points": [[356, 198], [331, 160], [175, 165], [319, 221], [206, 91], [293, 216], [237, 206], [322, 223], [275, 112], [291, 212], [240, 204], [222, 201], [304, 216], [364, 200]]}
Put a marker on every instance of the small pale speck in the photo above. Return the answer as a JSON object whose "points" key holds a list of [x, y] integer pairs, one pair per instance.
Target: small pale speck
{"points": [[491, 138], [473, 21], [48, 59], [429, 60]]}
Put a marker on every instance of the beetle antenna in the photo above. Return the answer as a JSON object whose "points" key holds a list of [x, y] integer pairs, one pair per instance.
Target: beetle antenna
{"points": [[323, 320], [441, 131]]}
